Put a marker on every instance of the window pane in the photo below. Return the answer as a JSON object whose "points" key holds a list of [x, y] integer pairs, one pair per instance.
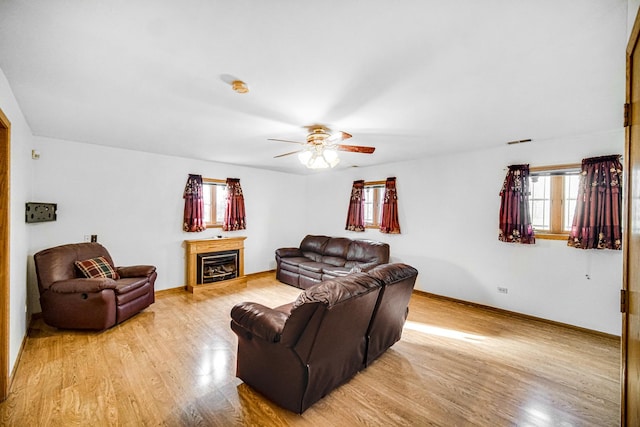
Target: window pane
{"points": [[214, 197], [368, 205], [540, 187], [571, 184], [221, 203], [372, 204], [540, 202], [206, 193], [380, 199], [540, 215]]}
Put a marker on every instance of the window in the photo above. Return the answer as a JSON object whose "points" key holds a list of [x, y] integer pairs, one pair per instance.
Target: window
{"points": [[373, 198], [554, 190], [214, 194]]}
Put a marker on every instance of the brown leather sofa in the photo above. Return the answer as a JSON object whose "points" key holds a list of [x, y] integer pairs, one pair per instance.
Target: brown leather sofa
{"points": [[71, 301], [322, 258], [297, 353]]}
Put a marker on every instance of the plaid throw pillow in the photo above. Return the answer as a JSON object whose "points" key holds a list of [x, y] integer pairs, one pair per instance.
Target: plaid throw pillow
{"points": [[97, 267]]}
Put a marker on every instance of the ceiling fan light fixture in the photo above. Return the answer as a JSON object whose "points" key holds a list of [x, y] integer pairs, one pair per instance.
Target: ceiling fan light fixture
{"points": [[317, 162], [318, 157], [239, 86], [331, 157], [305, 156]]}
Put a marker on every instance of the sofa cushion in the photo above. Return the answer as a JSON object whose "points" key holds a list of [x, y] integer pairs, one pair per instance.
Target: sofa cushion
{"points": [[82, 285], [335, 251], [314, 244], [96, 268], [128, 284], [312, 270], [297, 260], [312, 247], [314, 267], [333, 261], [292, 264], [366, 254], [332, 272]]}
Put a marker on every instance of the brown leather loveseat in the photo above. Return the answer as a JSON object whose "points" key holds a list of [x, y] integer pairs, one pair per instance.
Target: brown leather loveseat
{"points": [[322, 258], [297, 353], [69, 300]]}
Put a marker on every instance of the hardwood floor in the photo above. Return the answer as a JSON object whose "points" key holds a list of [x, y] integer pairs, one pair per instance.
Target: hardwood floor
{"points": [[174, 365]]}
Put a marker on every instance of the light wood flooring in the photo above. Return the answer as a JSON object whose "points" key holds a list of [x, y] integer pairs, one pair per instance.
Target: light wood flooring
{"points": [[456, 365]]}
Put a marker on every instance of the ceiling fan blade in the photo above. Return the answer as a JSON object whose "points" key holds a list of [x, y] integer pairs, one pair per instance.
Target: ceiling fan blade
{"points": [[286, 140], [355, 148], [345, 135], [287, 154], [339, 136]]}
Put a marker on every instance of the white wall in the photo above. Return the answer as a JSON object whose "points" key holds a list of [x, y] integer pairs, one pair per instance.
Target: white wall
{"points": [[449, 219], [133, 202], [20, 185], [632, 10]]}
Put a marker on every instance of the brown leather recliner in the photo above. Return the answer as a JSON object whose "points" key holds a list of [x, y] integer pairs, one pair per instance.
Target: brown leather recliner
{"points": [[297, 353], [71, 301]]}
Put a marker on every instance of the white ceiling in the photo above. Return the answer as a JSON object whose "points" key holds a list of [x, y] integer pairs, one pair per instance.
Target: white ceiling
{"points": [[412, 78]]}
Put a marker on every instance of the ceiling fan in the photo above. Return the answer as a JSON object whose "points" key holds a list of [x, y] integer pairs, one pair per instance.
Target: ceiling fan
{"points": [[320, 150]]}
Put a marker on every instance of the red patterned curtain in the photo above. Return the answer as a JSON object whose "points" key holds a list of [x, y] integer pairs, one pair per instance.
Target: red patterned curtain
{"points": [[597, 220], [515, 218], [389, 223], [193, 205], [234, 213], [355, 215]]}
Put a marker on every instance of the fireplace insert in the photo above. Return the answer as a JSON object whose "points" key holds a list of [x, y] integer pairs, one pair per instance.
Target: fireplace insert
{"points": [[217, 266]]}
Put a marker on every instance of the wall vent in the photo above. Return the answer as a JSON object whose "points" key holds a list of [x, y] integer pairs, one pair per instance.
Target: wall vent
{"points": [[519, 141]]}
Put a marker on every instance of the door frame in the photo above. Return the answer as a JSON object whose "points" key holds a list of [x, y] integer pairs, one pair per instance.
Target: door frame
{"points": [[5, 263], [625, 414]]}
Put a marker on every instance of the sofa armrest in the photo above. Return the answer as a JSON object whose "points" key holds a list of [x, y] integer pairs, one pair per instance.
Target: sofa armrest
{"points": [[288, 252], [82, 285], [136, 271], [259, 320]]}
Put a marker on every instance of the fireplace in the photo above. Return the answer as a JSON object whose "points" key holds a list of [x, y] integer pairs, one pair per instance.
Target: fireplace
{"points": [[217, 266], [215, 263]]}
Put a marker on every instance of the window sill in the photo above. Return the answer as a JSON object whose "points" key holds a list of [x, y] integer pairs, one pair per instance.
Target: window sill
{"points": [[552, 236], [214, 225]]}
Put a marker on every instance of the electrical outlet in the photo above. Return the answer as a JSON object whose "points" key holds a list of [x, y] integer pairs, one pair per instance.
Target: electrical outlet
{"points": [[503, 290]]}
